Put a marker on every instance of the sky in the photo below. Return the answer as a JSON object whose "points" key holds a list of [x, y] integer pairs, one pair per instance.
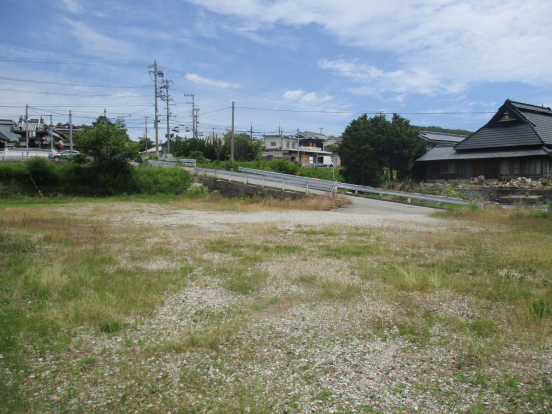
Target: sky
{"points": [[312, 65]]}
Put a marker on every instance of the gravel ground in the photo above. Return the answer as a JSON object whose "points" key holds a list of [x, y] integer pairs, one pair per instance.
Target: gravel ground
{"points": [[284, 356]]}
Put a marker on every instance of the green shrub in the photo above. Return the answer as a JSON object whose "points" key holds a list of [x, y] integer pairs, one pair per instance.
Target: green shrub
{"points": [[42, 170], [83, 180]]}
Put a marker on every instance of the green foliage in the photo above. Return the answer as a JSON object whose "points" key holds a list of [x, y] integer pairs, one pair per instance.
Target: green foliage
{"points": [[332, 148], [198, 156], [245, 148], [78, 159], [145, 144], [281, 165], [41, 170], [445, 130], [82, 180], [371, 144], [110, 147]]}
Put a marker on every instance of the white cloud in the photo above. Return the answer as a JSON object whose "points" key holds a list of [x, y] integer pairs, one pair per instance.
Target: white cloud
{"points": [[72, 6], [198, 79], [439, 40], [95, 43], [374, 81], [306, 98]]}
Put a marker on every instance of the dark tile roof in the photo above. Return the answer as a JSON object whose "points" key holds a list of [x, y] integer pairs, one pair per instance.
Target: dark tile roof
{"points": [[6, 131], [449, 154], [529, 107], [500, 136], [312, 135], [542, 124], [441, 136]]}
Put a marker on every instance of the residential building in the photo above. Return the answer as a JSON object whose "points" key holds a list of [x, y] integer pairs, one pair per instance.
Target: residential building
{"points": [[309, 146], [7, 137], [434, 139], [517, 141]]}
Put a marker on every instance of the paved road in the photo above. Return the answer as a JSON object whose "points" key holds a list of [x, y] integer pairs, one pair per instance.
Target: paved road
{"points": [[359, 206], [375, 207]]}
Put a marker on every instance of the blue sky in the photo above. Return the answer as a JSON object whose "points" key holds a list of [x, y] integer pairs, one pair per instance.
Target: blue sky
{"points": [[303, 64]]}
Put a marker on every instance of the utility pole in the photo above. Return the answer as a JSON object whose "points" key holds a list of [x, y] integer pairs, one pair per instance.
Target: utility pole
{"points": [[298, 148], [197, 121], [193, 114], [156, 72], [27, 127], [146, 136], [232, 135], [251, 130], [321, 129], [71, 133], [51, 134], [167, 98]]}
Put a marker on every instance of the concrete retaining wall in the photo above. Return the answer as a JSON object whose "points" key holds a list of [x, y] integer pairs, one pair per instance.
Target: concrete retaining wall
{"points": [[494, 194], [232, 190]]}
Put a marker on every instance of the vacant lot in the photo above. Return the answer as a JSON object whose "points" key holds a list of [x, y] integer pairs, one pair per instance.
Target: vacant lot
{"points": [[129, 306]]}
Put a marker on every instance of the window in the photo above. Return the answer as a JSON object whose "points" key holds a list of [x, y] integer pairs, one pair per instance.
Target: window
{"points": [[293, 145], [464, 170], [287, 144], [448, 167], [273, 144], [515, 167], [505, 167], [532, 167]]}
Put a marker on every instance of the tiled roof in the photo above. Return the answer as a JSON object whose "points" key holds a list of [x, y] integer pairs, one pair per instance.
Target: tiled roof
{"points": [[441, 136], [6, 132], [542, 124], [528, 107], [312, 135], [500, 136], [449, 154]]}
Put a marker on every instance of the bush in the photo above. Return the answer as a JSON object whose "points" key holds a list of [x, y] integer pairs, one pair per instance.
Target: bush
{"points": [[42, 170], [83, 180]]}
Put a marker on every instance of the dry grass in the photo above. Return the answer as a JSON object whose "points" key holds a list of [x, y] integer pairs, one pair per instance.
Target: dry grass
{"points": [[480, 290], [249, 205]]}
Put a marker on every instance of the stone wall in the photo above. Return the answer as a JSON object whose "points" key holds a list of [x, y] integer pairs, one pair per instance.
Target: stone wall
{"points": [[494, 194], [232, 190]]}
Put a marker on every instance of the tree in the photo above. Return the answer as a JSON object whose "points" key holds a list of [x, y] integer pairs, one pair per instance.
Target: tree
{"points": [[245, 147], [145, 144], [109, 145], [371, 144]]}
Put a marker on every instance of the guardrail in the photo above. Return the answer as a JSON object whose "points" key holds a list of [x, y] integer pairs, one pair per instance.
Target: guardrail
{"points": [[22, 155], [335, 185], [171, 162]]}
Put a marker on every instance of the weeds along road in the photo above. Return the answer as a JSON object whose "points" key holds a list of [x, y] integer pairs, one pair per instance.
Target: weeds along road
{"points": [[359, 205], [206, 305]]}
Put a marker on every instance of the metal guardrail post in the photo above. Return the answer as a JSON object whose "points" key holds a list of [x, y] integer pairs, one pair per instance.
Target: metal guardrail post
{"points": [[204, 173], [284, 185], [307, 189], [408, 200], [245, 179], [216, 174], [263, 181]]}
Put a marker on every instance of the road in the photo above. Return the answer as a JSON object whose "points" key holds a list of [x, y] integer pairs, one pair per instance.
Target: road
{"points": [[359, 206]]}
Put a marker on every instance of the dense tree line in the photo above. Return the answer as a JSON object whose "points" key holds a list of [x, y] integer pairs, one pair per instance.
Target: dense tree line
{"points": [[245, 148], [373, 149]]}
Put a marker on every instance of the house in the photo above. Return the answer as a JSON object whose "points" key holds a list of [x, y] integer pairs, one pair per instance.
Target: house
{"points": [[434, 139], [7, 137], [309, 146], [517, 141], [41, 135], [332, 141]]}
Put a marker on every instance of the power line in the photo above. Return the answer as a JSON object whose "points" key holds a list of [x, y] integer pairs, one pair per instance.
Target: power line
{"points": [[59, 62], [96, 85], [72, 94]]}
